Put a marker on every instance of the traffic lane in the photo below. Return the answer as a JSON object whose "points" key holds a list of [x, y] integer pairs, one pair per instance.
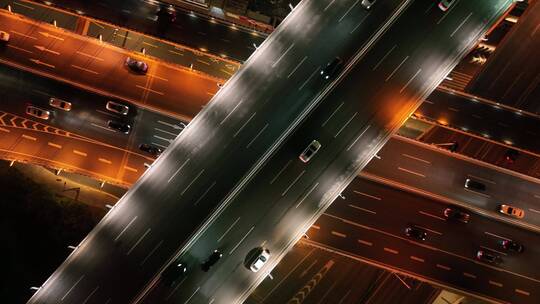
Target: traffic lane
{"points": [[194, 189], [423, 262], [340, 125], [483, 119], [29, 9], [84, 62], [430, 173], [395, 210], [104, 162]]}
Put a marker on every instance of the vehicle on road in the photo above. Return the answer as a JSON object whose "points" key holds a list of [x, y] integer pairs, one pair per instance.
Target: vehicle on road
{"points": [[174, 272], [474, 185], [454, 214], [212, 260], [488, 257], [4, 36], [512, 211], [310, 151], [261, 256], [60, 104], [416, 233], [153, 150], [444, 5], [38, 113], [368, 3], [512, 246], [117, 107], [136, 66], [332, 68], [119, 126]]}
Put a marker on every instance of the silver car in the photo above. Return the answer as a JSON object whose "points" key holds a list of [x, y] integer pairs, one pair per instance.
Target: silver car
{"points": [[60, 104], [117, 107], [38, 113], [310, 151], [260, 259]]}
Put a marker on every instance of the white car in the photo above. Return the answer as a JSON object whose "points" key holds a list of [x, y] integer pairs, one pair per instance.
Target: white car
{"points": [[4, 36], [117, 107], [60, 104], [260, 259], [38, 113]]}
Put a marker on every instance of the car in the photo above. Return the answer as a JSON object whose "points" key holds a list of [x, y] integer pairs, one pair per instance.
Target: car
{"points": [[416, 233], [488, 257], [512, 246], [332, 68], [474, 185], [260, 258], [117, 107], [38, 113], [174, 272], [60, 104], [511, 211], [310, 151], [136, 66], [4, 36], [444, 5], [212, 259], [454, 214], [150, 149], [119, 126], [368, 3]]}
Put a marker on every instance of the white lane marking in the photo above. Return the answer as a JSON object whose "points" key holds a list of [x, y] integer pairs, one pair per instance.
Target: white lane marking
{"points": [[54, 145], [30, 138], [282, 55], [174, 126], [24, 35], [332, 115], [534, 210], [73, 286], [497, 236], [138, 241], [106, 161], [482, 179], [410, 80], [415, 258], [281, 171], [309, 78], [297, 66], [315, 227], [163, 138], [447, 12], [243, 238], [365, 242], [230, 113], [360, 23], [443, 267], [348, 11], [125, 228], [294, 182], [151, 252], [430, 230], [523, 292], [362, 209], [416, 158], [390, 250], [495, 283], [383, 58], [242, 127], [205, 192], [306, 195], [357, 138], [536, 195], [161, 146], [130, 169], [5, 130], [491, 249], [256, 136], [166, 132], [107, 113], [102, 127], [432, 215], [396, 69], [346, 124], [189, 185], [90, 295], [461, 24], [429, 7], [469, 275], [175, 288], [85, 69], [339, 234], [170, 178], [90, 56], [367, 195], [79, 152], [331, 2], [228, 229], [149, 90], [411, 172], [192, 295]]}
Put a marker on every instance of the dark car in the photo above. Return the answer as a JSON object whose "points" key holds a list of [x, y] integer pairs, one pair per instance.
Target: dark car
{"points": [[488, 257], [150, 149], [474, 185], [455, 214], [212, 259], [512, 246], [174, 272], [119, 126], [137, 66], [416, 233], [332, 68]]}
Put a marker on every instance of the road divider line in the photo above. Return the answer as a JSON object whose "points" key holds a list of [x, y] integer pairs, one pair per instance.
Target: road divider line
{"points": [[24, 35], [365, 242], [203, 62], [443, 267], [417, 158], [342, 235], [534, 210], [80, 153], [362, 209], [432, 215], [316, 227], [178, 170], [103, 160], [29, 137], [469, 275], [20, 49], [415, 258], [495, 283], [150, 90], [159, 77], [130, 169], [125, 228], [85, 69], [241, 240], [51, 36], [166, 132], [368, 195], [149, 44], [228, 229], [23, 5], [496, 235], [390, 250], [411, 172], [138, 241], [54, 145], [39, 62], [90, 56], [523, 292]]}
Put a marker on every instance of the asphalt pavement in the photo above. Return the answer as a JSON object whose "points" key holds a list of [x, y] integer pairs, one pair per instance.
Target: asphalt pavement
{"points": [[407, 63], [216, 154]]}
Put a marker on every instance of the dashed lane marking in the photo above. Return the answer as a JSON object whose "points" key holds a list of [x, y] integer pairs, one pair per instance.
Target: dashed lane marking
{"points": [[80, 153], [469, 275], [390, 250], [443, 267], [54, 145], [130, 169], [339, 234], [29, 137], [365, 242], [103, 160]]}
